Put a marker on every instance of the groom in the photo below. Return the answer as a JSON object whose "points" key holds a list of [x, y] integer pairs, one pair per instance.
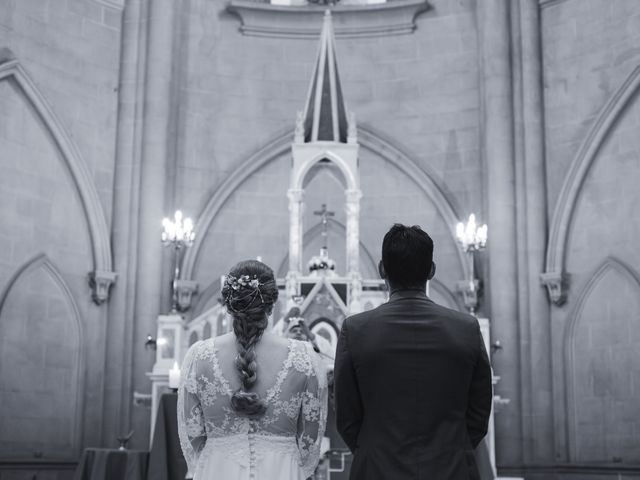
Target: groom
{"points": [[412, 378]]}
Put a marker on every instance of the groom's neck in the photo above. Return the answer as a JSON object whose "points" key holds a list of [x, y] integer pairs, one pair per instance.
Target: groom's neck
{"points": [[396, 287]]}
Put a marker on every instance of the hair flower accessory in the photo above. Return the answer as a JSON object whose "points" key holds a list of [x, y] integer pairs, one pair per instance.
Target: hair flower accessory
{"points": [[242, 281], [241, 289]]}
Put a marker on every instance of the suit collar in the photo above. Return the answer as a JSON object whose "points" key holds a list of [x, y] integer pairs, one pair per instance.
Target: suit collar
{"points": [[407, 293]]}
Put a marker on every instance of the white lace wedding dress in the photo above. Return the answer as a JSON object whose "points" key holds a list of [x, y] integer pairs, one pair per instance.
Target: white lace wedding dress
{"points": [[283, 444]]}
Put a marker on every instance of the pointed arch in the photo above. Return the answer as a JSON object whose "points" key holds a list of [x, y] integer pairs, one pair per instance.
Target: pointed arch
{"points": [[370, 140], [43, 262], [580, 166], [334, 158], [330, 169], [570, 398], [94, 213]]}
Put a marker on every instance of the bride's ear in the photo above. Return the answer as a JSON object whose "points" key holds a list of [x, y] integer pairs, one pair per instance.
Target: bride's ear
{"points": [[433, 271], [381, 271]]}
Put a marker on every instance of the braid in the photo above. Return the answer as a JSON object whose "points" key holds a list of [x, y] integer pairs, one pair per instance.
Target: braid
{"points": [[250, 304], [247, 335]]}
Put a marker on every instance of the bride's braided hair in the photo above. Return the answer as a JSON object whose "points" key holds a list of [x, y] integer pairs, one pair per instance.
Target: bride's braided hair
{"points": [[249, 293]]}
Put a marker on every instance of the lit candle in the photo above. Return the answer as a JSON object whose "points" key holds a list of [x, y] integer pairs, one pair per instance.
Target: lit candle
{"points": [[174, 376]]}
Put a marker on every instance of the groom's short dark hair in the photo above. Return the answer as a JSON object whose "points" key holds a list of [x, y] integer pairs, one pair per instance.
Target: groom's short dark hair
{"points": [[407, 255]]}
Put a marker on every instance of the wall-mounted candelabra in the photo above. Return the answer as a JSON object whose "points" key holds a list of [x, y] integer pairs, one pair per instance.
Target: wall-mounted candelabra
{"points": [[178, 234], [472, 238]]}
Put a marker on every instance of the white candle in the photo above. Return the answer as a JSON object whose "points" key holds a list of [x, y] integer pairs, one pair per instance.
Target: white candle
{"points": [[174, 376]]}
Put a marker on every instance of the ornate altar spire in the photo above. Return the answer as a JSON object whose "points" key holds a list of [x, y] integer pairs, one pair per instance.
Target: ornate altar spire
{"points": [[325, 113]]}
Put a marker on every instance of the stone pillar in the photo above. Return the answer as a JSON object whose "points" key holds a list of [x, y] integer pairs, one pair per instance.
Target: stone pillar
{"points": [[156, 155], [498, 152], [296, 210], [118, 390], [536, 374], [352, 208]]}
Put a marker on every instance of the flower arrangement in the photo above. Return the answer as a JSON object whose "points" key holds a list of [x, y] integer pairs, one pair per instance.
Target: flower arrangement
{"points": [[321, 263]]}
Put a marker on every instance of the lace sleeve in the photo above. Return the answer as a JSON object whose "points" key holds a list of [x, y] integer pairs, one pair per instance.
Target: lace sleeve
{"points": [[313, 413], [191, 426]]}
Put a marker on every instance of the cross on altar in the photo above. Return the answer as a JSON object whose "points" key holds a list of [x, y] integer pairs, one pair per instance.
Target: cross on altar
{"points": [[324, 214]]}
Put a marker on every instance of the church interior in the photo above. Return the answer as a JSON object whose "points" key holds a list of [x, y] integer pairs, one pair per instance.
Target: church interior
{"points": [[297, 132]]}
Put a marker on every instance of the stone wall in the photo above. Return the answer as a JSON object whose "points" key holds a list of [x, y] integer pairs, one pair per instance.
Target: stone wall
{"points": [[59, 64], [591, 114]]}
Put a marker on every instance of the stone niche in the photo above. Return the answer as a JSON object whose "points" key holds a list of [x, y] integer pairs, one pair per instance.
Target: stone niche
{"points": [[352, 18]]}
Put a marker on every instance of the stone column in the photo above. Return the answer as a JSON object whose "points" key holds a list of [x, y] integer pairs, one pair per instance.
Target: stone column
{"points": [[156, 155], [498, 153], [536, 371], [296, 210], [118, 389], [352, 208]]}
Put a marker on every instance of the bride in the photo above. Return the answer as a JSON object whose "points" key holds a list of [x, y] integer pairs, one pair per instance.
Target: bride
{"points": [[251, 405]]}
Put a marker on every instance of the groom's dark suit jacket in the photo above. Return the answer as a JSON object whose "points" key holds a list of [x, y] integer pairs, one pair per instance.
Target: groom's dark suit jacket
{"points": [[413, 390]]}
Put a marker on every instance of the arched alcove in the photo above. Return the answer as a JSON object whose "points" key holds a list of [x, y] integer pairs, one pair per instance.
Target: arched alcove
{"points": [[601, 355], [11, 71], [586, 155], [41, 364]]}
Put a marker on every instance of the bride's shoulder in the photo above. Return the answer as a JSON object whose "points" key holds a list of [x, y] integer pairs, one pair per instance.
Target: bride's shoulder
{"points": [[202, 349], [304, 358]]}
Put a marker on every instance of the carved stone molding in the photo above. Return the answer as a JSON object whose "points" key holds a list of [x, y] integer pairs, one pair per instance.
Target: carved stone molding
{"points": [[185, 289], [557, 284], [100, 282], [264, 19]]}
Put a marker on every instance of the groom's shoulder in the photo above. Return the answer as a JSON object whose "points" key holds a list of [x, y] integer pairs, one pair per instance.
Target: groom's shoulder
{"points": [[359, 319], [455, 316]]}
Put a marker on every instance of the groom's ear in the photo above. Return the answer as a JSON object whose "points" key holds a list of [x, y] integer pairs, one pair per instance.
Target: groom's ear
{"points": [[432, 273], [381, 271]]}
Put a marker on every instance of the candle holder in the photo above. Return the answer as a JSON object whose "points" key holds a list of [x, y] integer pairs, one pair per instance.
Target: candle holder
{"points": [[177, 234], [123, 440], [472, 238]]}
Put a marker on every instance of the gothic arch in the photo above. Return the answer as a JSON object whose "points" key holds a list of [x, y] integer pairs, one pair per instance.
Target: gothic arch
{"points": [[279, 146], [609, 264], [94, 213], [330, 170], [42, 261], [352, 183], [574, 181]]}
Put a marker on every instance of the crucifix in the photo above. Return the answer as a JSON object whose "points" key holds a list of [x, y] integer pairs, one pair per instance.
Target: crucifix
{"points": [[324, 214]]}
